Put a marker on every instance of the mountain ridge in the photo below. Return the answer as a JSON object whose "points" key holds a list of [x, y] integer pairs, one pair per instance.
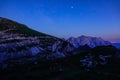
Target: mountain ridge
{"points": [[10, 24], [90, 41], [18, 40], [26, 56]]}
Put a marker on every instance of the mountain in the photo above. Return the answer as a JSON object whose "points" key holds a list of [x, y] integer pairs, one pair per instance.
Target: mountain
{"points": [[14, 29], [17, 40], [117, 45], [26, 54], [90, 41]]}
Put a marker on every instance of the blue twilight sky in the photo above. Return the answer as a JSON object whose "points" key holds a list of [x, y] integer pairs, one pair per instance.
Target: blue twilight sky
{"points": [[65, 18]]}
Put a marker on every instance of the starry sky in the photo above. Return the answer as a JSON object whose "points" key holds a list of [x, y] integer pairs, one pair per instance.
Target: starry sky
{"points": [[65, 18]]}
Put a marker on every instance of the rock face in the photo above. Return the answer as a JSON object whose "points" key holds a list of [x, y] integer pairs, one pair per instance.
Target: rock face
{"points": [[62, 46], [91, 41], [17, 40]]}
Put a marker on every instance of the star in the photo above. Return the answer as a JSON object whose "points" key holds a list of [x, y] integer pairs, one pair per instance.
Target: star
{"points": [[71, 7]]}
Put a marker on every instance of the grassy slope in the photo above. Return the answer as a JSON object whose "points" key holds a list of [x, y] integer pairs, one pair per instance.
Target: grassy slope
{"points": [[15, 27], [19, 28]]}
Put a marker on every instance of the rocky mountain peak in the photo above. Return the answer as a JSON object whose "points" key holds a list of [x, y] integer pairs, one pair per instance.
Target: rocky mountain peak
{"points": [[91, 41]]}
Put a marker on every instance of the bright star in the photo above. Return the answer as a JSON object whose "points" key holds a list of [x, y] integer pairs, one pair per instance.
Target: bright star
{"points": [[72, 7]]}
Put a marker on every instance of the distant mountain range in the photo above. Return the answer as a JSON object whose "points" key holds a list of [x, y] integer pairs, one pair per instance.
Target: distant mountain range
{"points": [[87, 40]]}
